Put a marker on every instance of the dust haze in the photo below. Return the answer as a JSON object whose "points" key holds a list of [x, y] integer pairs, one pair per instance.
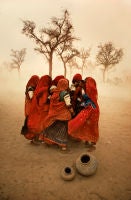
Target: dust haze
{"points": [[29, 172], [114, 87]]}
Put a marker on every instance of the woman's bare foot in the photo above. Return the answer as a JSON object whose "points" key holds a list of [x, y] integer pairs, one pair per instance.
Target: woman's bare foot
{"points": [[64, 148]]}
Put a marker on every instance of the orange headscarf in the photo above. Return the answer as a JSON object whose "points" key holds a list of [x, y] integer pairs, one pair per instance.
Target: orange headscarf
{"points": [[56, 79]]}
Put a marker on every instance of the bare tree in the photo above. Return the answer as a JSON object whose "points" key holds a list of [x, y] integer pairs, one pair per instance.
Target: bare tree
{"points": [[18, 57], [84, 54], [49, 39], [108, 56], [81, 55], [73, 64], [67, 54]]}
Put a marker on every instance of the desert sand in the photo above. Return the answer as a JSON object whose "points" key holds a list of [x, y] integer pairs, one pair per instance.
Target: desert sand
{"points": [[32, 172]]}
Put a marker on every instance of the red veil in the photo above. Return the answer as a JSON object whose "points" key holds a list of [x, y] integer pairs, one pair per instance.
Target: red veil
{"points": [[85, 125], [58, 109], [33, 81], [40, 105]]}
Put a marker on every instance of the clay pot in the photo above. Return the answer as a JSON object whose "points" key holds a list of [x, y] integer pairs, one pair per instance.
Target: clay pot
{"points": [[86, 164], [68, 173]]}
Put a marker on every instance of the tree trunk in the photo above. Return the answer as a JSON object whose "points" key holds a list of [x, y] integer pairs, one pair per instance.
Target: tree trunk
{"points": [[65, 70], [19, 72], [50, 66], [70, 73], [82, 69], [104, 75]]}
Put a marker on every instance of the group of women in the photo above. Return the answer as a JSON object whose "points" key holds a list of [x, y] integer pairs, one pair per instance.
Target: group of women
{"points": [[56, 111]]}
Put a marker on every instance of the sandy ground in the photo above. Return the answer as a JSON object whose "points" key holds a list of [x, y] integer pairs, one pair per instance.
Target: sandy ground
{"points": [[32, 172]]}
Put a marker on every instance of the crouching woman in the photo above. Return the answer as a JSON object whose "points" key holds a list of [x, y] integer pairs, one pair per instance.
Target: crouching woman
{"points": [[84, 126]]}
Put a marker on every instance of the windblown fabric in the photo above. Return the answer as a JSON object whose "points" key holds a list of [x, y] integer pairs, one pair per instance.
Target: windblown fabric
{"points": [[85, 125], [57, 133], [40, 105], [58, 109], [32, 83], [56, 121]]}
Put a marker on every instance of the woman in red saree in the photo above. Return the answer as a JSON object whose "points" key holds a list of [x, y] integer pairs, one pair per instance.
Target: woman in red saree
{"points": [[29, 92], [55, 82], [84, 126], [39, 108], [56, 123], [56, 79], [30, 88]]}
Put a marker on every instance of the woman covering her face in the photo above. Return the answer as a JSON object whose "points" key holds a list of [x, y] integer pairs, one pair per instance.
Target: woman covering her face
{"points": [[60, 111], [29, 92], [39, 108], [85, 125]]}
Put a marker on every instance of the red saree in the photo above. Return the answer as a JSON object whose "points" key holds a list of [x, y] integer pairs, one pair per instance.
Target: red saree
{"points": [[85, 125], [56, 123], [40, 105], [33, 81], [58, 109]]}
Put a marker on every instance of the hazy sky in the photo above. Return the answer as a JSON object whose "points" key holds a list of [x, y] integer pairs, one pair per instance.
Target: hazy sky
{"points": [[95, 21]]}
